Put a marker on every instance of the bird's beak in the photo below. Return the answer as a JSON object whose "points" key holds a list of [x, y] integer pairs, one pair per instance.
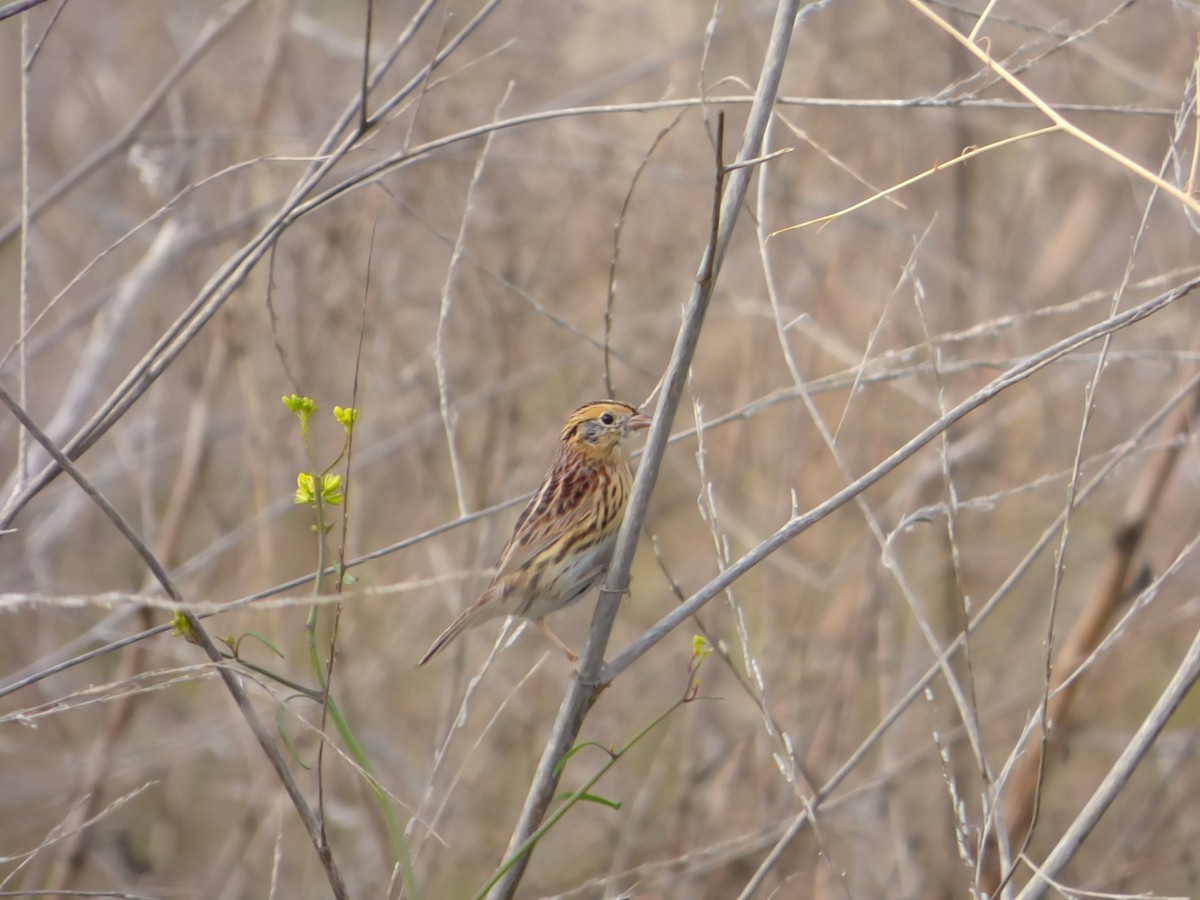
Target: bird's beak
{"points": [[638, 421]]}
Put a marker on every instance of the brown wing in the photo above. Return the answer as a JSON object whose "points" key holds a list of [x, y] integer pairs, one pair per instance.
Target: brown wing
{"points": [[566, 498], [555, 511]]}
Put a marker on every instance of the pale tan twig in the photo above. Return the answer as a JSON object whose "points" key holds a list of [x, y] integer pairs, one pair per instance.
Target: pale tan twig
{"points": [[443, 379], [1060, 122]]}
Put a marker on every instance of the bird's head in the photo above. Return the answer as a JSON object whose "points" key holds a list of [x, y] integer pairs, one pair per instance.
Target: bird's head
{"points": [[601, 429]]}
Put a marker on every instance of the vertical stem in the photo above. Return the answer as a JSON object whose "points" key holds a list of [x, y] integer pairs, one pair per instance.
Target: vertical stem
{"points": [[23, 314], [585, 686]]}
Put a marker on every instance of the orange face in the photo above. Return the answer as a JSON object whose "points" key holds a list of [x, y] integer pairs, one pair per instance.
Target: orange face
{"points": [[601, 428]]}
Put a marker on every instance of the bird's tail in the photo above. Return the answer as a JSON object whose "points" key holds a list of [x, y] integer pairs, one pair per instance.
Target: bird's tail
{"points": [[487, 607], [457, 627]]}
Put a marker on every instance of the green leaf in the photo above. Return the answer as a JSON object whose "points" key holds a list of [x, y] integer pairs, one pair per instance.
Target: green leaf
{"points": [[603, 801], [262, 640], [566, 756], [287, 741], [585, 797]]}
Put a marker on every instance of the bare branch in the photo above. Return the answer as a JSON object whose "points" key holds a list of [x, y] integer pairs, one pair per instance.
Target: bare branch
{"points": [[798, 524], [585, 685], [1118, 776], [202, 638]]}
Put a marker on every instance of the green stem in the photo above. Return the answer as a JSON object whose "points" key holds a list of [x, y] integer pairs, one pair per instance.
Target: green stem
{"points": [[307, 692], [360, 758], [574, 798], [399, 844], [323, 695]]}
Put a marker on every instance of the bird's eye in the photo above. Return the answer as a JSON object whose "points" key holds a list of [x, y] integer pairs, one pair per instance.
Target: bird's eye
{"points": [[607, 419]]}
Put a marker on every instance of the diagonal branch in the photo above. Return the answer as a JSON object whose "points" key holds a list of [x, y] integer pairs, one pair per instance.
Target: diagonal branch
{"points": [[1135, 168], [223, 283], [17, 7], [118, 143], [199, 636], [1181, 683], [799, 523], [585, 687]]}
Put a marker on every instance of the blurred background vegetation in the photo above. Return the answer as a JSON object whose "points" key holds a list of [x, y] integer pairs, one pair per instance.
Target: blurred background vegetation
{"points": [[161, 137]]}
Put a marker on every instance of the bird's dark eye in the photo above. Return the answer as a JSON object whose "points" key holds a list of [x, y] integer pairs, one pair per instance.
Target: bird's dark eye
{"points": [[607, 419]]}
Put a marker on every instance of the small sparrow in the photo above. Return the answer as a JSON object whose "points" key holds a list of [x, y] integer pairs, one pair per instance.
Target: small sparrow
{"points": [[563, 539]]}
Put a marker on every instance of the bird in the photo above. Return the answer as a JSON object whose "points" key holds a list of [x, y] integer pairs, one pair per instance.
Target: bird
{"points": [[563, 539]]}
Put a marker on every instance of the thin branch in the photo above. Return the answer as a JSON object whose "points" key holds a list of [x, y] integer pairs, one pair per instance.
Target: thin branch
{"points": [[196, 631], [1139, 745], [17, 7], [1054, 115], [22, 472], [363, 119], [220, 286], [618, 228], [439, 354], [116, 145], [938, 167], [583, 689]]}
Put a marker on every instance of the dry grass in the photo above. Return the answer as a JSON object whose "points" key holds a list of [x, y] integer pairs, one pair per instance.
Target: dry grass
{"points": [[867, 328]]}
